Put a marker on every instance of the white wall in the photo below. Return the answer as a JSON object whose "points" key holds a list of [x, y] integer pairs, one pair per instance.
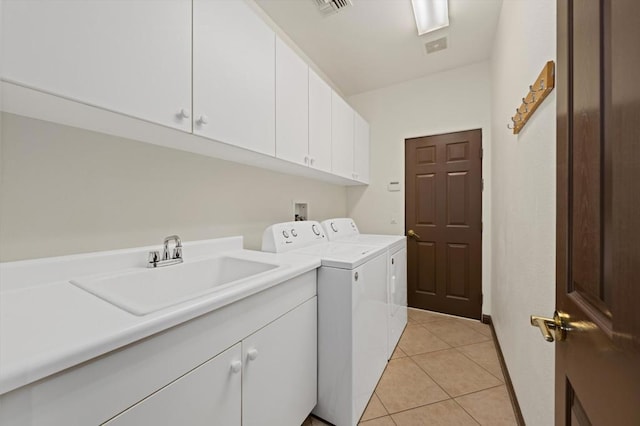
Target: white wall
{"points": [[65, 190], [524, 179], [449, 101]]}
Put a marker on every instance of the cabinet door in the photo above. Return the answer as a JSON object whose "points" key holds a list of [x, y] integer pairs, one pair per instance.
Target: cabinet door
{"points": [[319, 122], [279, 380], [361, 149], [341, 137], [132, 57], [233, 75], [292, 105], [207, 396]]}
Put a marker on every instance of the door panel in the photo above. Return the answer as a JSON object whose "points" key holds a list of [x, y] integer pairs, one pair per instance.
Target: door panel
{"points": [[292, 105], [426, 282], [598, 219], [319, 122], [342, 121], [106, 53], [233, 75], [444, 208]]}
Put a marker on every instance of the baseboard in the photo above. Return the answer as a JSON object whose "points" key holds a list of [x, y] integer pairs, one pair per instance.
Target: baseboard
{"points": [[486, 319]]}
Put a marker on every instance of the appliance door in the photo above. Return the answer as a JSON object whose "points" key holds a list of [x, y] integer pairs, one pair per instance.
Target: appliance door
{"points": [[370, 328], [397, 297]]}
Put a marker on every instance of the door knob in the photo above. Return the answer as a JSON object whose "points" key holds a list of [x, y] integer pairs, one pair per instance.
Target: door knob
{"points": [[412, 234], [559, 324]]}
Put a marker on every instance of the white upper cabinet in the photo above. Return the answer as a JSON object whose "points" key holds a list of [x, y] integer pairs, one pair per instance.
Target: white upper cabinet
{"points": [[292, 105], [319, 123], [233, 75], [341, 137], [361, 149], [132, 57]]}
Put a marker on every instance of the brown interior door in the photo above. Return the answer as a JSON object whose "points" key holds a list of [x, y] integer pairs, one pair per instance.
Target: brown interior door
{"points": [[443, 220], [598, 220]]}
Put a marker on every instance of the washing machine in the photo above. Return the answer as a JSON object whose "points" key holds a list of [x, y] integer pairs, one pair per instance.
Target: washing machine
{"points": [[344, 230], [352, 316]]}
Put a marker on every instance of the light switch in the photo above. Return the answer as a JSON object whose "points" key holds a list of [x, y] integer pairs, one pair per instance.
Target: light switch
{"points": [[393, 186]]}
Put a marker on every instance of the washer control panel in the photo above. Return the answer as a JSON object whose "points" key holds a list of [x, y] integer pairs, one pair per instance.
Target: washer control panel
{"points": [[340, 228], [287, 236]]}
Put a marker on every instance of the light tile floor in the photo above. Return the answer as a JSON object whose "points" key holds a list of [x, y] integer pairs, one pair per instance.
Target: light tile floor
{"points": [[444, 371]]}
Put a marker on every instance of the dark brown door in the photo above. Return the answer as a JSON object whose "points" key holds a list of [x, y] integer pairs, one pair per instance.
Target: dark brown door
{"points": [[443, 219], [598, 222]]}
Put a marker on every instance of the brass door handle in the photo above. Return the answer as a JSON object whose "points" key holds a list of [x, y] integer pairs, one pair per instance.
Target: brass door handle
{"points": [[412, 234], [559, 325]]}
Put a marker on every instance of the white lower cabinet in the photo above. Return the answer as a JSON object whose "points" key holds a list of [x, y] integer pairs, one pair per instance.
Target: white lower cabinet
{"points": [[271, 374], [279, 379], [210, 395], [247, 363]]}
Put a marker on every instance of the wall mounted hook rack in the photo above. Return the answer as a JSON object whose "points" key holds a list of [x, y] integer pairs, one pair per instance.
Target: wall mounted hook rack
{"points": [[538, 91]]}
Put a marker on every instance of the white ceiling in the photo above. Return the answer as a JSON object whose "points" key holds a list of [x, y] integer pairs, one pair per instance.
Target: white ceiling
{"points": [[375, 43]]}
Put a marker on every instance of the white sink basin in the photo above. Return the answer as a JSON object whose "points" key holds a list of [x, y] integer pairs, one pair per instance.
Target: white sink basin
{"points": [[145, 290]]}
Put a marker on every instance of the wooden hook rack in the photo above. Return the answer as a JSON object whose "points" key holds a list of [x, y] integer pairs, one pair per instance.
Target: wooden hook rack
{"points": [[538, 91]]}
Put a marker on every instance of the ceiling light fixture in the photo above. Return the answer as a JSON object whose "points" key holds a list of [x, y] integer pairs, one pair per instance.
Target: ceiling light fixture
{"points": [[430, 15]]}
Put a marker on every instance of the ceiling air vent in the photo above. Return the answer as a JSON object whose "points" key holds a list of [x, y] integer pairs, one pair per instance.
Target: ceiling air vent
{"points": [[436, 45], [329, 7]]}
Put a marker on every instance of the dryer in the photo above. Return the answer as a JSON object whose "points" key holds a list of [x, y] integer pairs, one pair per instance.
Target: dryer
{"points": [[344, 230], [352, 316]]}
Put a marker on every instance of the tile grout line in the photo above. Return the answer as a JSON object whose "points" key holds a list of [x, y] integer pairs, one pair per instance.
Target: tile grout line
{"points": [[468, 413], [429, 376], [479, 365], [478, 391], [487, 338], [456, 347], [469, 393]]}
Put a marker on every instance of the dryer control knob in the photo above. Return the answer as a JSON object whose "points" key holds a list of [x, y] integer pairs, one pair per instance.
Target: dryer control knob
{"points": [[285, 234], [333, 227], [294, 233], [315, 230]]}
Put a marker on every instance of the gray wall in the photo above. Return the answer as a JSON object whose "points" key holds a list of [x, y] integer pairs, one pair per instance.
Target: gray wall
{"points": [[65, 190]]}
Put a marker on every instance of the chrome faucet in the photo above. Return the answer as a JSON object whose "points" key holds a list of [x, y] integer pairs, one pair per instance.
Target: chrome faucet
{"points": [[168, 258]]}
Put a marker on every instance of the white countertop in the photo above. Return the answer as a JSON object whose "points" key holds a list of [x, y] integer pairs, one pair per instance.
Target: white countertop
{"points": [[47, 324]]}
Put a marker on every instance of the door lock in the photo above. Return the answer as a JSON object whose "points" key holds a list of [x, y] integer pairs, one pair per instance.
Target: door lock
{"points": [[559, 324]]}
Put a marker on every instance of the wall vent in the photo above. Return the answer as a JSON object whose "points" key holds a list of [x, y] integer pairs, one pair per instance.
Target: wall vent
{"points": [[329, 7]]}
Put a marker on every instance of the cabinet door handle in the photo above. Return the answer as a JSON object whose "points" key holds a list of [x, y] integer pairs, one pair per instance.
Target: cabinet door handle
{"points": [[236, 366], [184, 113], [252, 354], [306, 159], [312, 160], [202, 120]]}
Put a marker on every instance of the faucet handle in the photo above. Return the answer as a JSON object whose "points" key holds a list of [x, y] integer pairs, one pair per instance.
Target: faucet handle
{"points": [[154, 258], [177, 252]]}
